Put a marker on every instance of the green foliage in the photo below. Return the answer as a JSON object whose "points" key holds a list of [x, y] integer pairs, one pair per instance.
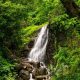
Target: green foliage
{"points": [[67, 47], [78, 2], [66, 22], [12, 17], [6, 69], [67, 66], [27, 33], [17, 27]]}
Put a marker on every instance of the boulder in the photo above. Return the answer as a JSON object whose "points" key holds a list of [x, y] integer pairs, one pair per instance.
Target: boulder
{"points": [[24, 75], [27, 67]]}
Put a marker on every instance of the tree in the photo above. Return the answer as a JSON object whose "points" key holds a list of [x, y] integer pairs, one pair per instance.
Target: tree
{"points": [[71, 7]]}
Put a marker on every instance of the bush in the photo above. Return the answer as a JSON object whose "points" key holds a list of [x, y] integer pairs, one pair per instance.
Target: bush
{"points": [[6, 69]]}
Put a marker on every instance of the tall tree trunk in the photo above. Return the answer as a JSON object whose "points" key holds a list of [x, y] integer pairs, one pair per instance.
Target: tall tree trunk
{"points": [[71, 8]]}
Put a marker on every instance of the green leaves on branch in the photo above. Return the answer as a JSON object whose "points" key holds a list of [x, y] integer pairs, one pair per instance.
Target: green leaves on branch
{"points": [[67, 66]]}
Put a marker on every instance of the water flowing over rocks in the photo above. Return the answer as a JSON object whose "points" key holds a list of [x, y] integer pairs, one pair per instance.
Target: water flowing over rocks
{"points": [[39, 49], [30, 70], [33, 67]]}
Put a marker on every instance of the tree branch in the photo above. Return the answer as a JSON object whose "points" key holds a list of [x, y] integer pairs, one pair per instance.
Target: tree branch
{"points": [[71, 8]]}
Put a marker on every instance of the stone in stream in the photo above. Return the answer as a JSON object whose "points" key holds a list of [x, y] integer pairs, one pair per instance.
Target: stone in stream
{"points": [[37, 69], [42, 77], [19, 78], [24, 75], [43, 71], [35, 72]]}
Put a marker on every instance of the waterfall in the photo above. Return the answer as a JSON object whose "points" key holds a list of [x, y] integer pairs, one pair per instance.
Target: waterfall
{"points": [[33, 67], [39, 49]]}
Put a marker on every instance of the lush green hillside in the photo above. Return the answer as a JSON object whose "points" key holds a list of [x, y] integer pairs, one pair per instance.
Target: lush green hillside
{"points": [[20, 21]]}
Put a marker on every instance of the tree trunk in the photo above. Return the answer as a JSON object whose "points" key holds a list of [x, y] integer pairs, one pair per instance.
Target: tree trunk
{"points": [[71, 8]]}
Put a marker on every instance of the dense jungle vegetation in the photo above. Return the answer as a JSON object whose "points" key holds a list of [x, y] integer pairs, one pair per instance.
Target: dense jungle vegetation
{"points": [[19, 22]]}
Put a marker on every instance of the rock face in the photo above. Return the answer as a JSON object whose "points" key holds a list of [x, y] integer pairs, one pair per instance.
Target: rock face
{"points": [[30, 70]]}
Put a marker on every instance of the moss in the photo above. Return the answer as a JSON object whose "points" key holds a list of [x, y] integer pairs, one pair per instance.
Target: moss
{"points": [[29, 32]]}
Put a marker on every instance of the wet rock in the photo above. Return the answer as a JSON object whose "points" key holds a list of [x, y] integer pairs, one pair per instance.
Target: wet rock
{"points": [[19, 78], [27, 67], [35, 72], [24, 75], [41, 77], [43, 71]]}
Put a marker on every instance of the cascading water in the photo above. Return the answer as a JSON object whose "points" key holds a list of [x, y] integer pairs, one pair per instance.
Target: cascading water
{"points": [[31, 77], [33, 67], [38, 51]]}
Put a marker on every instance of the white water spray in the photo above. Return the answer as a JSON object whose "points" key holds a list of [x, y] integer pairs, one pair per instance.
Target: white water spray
{"points": [[31, 77], [38, 51]]}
